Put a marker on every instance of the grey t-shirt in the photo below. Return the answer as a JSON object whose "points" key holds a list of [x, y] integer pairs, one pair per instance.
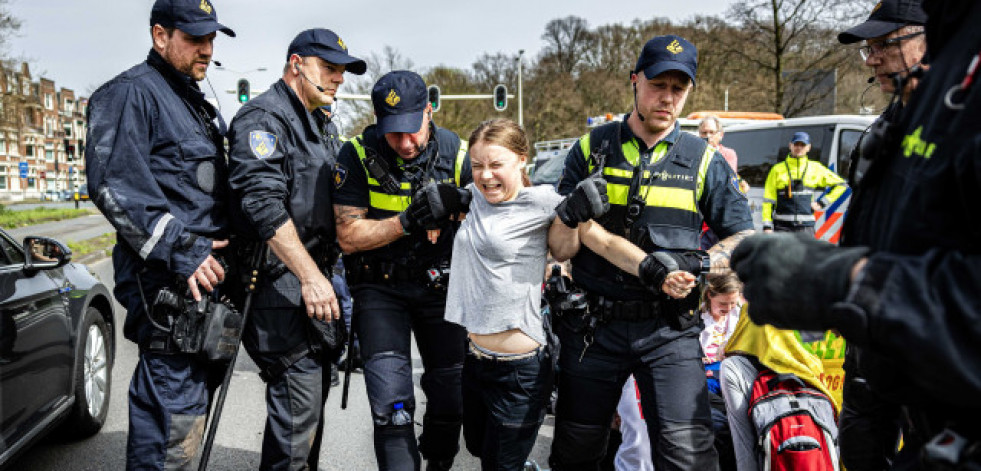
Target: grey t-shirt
{"points": [[498, 265]]}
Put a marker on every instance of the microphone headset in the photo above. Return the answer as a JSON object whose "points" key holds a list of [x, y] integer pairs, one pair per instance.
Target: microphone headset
{"points": [[636, 108], [318, 87]]}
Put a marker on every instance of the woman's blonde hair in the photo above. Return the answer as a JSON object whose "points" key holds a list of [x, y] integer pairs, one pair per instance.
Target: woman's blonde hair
{"points": [[720, 283], [505, 133]]}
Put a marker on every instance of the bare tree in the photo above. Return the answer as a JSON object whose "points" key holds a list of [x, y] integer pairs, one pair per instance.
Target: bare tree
{"points": [[789, 40], [566, 40]]}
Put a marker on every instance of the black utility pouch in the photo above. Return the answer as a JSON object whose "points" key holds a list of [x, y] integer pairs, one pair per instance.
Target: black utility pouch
{"points": [[681, 314]]}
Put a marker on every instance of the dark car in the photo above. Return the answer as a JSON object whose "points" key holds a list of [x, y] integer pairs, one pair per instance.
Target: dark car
{"points": [[57, 345], [548, 172]]}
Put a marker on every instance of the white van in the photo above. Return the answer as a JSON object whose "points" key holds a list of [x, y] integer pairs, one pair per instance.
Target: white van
{"points": [[761, 145]]}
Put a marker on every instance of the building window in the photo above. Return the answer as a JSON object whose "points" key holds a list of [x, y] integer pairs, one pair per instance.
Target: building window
{"points": [[3, 180], [48, 102], [49, 152]]}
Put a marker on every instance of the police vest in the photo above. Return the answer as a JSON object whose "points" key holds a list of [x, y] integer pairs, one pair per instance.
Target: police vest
{"points": [[449, 161], [670, 188], [794, 200], [414, 250]]}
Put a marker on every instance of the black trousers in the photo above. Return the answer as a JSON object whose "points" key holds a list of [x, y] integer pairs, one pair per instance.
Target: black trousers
{"points": [[385, 317]]}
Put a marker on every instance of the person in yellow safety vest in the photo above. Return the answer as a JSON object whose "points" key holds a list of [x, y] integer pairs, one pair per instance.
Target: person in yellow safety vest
{"points": [[788, 195]]}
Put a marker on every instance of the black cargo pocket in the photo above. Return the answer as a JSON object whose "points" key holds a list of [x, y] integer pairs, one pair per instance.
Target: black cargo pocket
{"points": [[201, 170], [670, 237]]}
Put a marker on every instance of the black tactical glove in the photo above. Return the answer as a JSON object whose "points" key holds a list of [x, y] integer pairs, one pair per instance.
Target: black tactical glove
{"points": [[432, 204], [446, 200], [587, 201], [654, 268], [792, 280]]}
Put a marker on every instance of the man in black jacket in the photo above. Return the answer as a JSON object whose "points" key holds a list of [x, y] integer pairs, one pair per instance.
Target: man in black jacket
{"points": [[906, 291], [281, 160]]}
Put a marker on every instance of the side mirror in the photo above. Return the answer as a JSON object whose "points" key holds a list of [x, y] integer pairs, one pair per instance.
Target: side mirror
{"points": [[43, 253]]}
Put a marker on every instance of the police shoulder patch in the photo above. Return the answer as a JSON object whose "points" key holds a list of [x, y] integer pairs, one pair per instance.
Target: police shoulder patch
{"points": [[340, 175], [262, 143]]}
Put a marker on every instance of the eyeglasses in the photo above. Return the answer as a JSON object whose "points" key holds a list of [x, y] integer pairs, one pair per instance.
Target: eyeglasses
{"points": [[879, 47]]}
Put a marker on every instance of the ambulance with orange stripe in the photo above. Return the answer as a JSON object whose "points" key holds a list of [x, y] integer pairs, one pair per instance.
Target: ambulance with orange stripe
{"points": [[761, 145]]}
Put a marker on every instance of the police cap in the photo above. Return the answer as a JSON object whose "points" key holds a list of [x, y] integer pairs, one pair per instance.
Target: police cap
{"points": [[323, 43], [801, 137], [664, 53], [400, 98], [194, 17], [887, 16]]}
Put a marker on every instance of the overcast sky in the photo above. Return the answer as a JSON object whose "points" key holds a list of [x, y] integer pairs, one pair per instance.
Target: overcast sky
{"points": [[82, 43]]}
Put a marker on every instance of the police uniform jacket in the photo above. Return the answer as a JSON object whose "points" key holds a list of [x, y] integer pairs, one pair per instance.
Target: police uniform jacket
{"points": [[280, 163], [679, 191], [443, 160], [784, 204], [156, 169], [918, 297]]}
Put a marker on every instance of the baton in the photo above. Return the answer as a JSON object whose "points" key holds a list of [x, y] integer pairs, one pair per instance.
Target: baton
{"points": [[209, 439], [348, 362]]}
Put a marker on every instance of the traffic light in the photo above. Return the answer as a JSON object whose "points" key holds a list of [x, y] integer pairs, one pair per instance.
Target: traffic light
{"points": [[243, 90], [500, 97], [434, 97]]}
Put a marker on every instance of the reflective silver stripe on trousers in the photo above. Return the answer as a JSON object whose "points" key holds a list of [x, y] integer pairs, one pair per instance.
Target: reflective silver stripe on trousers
{"points": [[793, 217], [158, 230]]}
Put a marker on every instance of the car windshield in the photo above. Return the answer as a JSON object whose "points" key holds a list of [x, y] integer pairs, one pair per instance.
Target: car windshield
{"points": [[549, 172]]}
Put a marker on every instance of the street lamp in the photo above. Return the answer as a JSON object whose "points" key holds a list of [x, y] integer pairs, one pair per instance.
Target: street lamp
{"points": [[521, 117], [726, 105], [226, 69]]}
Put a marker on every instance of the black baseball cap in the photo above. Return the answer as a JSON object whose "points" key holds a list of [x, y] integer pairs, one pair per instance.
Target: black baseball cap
{"points": [[887, 16], [400, 98], [323, 43], [664, 53], [194, 17]]}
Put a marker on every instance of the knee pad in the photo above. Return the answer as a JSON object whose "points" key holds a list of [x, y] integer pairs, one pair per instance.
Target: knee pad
{"points": [[576, 443], [444, 392], [388, 379], [687, 446]]}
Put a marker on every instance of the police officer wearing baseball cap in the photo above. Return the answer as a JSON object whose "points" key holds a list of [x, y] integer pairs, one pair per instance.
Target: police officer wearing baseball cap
{"points": [[661, 184], [281, 147], [903, 284], [156, 169], [396, 186], [895, 43], [789, 192]]}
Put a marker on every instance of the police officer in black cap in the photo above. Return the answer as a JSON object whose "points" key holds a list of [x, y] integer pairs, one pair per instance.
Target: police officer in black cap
{"points": [[661, 184], [282, 153], [905, 289], [396, 186], [895, 45], [156, 168]]}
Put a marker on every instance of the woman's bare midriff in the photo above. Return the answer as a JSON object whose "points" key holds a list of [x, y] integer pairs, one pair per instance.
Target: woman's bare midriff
{"points": [[511, 341]]}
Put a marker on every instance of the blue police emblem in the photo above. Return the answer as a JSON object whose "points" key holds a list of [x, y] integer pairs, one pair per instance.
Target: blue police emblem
{"points": [[735, 183], [263, 143], [340, 176]]}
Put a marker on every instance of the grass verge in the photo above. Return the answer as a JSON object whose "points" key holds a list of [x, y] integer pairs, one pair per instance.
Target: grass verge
{"points": [[11, 219], [102, 243]]}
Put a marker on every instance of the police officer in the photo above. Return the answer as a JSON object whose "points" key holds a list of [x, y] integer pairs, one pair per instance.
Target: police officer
{"points": [[788, 194], [281, 160], [905, 287], [661, 184], [399, 258], [895, 43], [156, 166]]}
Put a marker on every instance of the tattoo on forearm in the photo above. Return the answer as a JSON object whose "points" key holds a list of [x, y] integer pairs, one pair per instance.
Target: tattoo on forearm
{"points": [[346, 214], [720, 253]]}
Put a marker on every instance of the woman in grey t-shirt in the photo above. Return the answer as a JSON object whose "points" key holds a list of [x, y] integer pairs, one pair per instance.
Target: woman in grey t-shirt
{"points": [[499, 257]]}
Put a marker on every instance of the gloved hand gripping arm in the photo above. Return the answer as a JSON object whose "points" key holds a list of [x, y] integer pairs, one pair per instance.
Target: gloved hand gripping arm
{"points": [[589, 200], [433, 204]]}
